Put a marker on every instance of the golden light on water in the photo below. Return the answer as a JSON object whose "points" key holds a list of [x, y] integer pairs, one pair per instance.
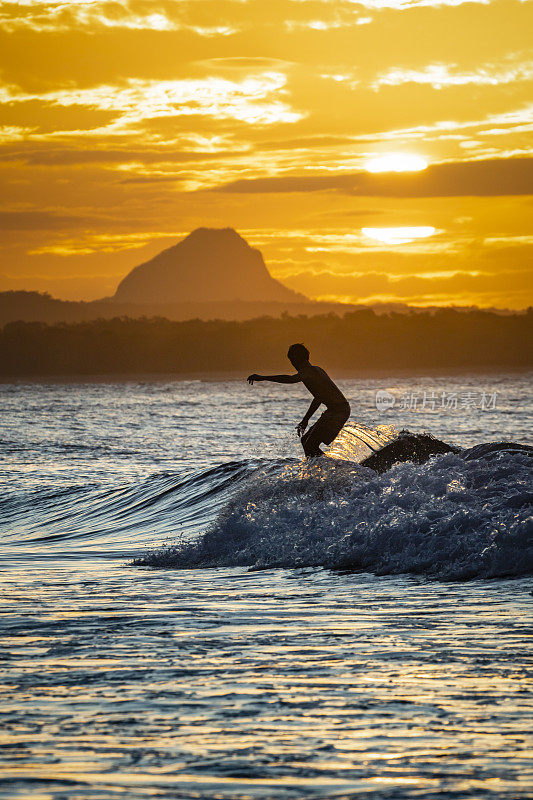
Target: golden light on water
{"points": [[396, 162], [399, 235]]}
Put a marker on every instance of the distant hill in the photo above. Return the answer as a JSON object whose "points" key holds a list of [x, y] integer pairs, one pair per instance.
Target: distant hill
{"points": [[41, 307], [209, 265], [211, 274]]}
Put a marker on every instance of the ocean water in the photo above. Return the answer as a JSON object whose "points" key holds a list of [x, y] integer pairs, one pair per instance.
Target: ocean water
{"points": [[188, 610]]}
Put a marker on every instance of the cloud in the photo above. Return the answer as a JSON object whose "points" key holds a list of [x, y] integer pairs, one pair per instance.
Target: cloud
{"points": [[247, 64], [54, 16], [41, 221], [396, 5], [512, 176], [14, 133], [31, 219], [102, 243], [48, 155], [329, 15], [197, 17], [518, 120], [456, 285], [251, 100], [440, 76]]}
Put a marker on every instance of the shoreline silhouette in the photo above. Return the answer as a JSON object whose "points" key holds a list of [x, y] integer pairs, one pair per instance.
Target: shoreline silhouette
{"points": [[362, 340]]}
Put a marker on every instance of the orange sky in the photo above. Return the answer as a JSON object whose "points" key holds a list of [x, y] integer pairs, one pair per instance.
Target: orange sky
{"points": [[125, 125]]}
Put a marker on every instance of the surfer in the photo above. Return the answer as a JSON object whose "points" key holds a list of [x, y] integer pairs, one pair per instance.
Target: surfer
{"points": [[324, 391]]}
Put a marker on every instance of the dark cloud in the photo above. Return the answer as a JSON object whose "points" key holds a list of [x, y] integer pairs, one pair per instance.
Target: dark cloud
{"points": [[153, 179], [347, 213], [513, 176], [304, 142], [375, 283], [50, 221], [516, 253], [245, 62], [41, 221], [60, 157]]}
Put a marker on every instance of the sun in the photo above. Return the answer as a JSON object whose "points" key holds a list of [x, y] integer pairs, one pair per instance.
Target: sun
{"points": [[399, 235], [395, 162]]}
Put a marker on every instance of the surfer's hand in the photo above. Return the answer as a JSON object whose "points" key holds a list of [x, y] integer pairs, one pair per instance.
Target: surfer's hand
{"points": [[300, 428], [252, 378]]}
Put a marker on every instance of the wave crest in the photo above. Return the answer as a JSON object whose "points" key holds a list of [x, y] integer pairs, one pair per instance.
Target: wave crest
{"points": [[450, 518]]}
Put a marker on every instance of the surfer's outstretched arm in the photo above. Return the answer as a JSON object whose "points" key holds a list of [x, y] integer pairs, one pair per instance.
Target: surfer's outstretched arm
{"points": [[274, 378]]}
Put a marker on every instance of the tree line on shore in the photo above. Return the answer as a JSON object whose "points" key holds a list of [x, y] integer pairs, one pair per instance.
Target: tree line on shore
{"points": [[360, 340]]}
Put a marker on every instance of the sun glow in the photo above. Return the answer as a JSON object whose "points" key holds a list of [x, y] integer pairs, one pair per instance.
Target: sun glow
{"points": [[396, 162], [399, 235]]}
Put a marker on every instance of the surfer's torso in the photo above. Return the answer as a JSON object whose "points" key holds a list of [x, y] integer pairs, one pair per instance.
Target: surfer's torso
{"points": [[322, 388]]}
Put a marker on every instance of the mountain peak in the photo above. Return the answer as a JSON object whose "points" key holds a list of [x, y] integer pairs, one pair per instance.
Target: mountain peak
{"points": [[208, 265], [215, 233]]}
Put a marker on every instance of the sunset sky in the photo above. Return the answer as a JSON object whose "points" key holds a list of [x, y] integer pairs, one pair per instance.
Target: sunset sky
{"points": [[125, 125]]}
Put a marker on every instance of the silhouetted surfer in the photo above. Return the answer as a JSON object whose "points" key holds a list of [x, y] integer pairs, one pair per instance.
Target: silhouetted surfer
{"points": [[324, 391]]}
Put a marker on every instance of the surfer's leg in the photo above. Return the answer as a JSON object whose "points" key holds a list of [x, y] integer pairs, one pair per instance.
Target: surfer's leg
{"points": [[324, 431], [311, 443], [333, 425]]}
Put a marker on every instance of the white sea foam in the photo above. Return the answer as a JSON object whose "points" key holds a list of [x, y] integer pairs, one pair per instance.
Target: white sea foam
{"points": [[451, 518]]}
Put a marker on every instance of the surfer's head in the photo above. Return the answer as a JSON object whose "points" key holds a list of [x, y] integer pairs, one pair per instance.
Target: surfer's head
{"points": [[298, 355]]}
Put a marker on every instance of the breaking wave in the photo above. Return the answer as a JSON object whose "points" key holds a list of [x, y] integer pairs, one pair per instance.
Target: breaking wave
{"points": [[458, 516], [461, 514]]}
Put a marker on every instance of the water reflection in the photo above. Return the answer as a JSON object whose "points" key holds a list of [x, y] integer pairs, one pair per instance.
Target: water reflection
{"points": [[227, 683]]}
